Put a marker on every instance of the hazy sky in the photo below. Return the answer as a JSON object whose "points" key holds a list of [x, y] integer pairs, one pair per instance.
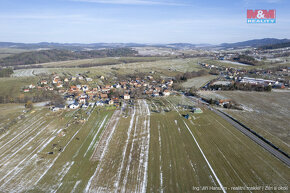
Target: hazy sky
{"points": [[141, 21]]}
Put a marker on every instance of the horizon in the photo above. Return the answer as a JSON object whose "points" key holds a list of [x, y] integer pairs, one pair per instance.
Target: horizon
{"points": [[138, 21], [142, 43]]}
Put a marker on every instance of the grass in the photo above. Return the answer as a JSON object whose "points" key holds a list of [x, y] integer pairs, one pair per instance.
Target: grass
{"points": [[175, 163], [266, 112], [12, 87], [236, 159], [247, 67], [198, 81]]}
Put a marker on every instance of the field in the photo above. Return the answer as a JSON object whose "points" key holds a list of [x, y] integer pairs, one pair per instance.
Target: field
{"points": [[145, 146], [265, 112], [198, 81], [163, 66], [4, 52], [12, 87]]}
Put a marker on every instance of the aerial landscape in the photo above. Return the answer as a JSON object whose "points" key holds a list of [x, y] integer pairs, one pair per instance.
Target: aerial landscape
{"points": [[100, 96]]}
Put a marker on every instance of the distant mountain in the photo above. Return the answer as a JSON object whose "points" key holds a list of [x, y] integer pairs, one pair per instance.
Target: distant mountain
{"points": [[80, 46], [67, 46], [254, 43]]}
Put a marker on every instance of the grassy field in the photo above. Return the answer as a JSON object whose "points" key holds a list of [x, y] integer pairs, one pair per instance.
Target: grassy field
{"points": [[236, 160], [265, 112], [98, 61], [248, 67], [198, 81], [4, 52], [147, 146], [12, 86], [163, 66]]}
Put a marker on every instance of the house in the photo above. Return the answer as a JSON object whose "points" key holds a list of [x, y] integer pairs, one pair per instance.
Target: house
{"points": [[73, 78], [85, 87], [26, 90], [31, 86], [74, 105], [99, 103], [102, 77], [103, 96], [156, 94], [126, 96], [43, 82], [58, 107], [82, 99], [59, 85], [89, 79], [80, 78], [85, 105], [166, 93], [66, 79], [55, 80], [111, 102]]}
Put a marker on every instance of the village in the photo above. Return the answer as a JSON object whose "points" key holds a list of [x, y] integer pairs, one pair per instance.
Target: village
{"points": [[82, 92], [259, 80]]}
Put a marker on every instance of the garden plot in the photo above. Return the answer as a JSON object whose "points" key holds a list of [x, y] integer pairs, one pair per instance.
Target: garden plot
{"points": [[123, 162]]}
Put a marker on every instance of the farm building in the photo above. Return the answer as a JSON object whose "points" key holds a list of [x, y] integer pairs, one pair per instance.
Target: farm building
{"points": [[197, 110]]}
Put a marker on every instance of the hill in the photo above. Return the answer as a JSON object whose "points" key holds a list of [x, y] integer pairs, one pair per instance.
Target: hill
{"points": [[275, 46], [44, 56], [255, 43]]}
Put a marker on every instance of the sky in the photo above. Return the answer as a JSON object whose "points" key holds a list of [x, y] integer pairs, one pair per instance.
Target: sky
{"points": [[139, 21]]}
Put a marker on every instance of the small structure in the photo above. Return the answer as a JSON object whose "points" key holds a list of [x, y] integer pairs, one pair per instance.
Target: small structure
{"points": [[126, 96], [197, 110], [74, 105], [187, 116], [166, 93]]}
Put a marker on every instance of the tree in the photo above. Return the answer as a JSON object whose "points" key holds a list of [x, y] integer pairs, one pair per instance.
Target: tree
{"points": [[29, 105]]}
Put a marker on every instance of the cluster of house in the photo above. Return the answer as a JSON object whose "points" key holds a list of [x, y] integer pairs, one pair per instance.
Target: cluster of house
{"points": [[229, 74], [111, 94], [90, 94], [260, 81]]}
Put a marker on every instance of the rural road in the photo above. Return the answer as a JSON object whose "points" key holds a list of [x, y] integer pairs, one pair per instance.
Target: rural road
{"points": [[252, 136]]}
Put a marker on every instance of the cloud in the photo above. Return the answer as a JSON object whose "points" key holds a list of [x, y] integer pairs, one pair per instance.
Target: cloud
{"points": [[132, 2]]}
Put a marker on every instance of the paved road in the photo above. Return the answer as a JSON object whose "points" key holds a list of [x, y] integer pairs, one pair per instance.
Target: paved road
{"points": [[256, 139], [252, 136]]}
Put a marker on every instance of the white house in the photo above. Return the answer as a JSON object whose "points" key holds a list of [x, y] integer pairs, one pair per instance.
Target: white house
{"points": [[126, 96], [74, 106]]}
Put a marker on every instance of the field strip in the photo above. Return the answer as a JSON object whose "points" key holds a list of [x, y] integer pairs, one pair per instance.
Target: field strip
{"points": [[160, 159], [28, 127], [43, 144], [22, 146], [220, 184], [92, 144], [146, 148], [125, 150], [130, 156], [115, 118], [57, 157], [62, 174], [75, 186], [106, 137]]}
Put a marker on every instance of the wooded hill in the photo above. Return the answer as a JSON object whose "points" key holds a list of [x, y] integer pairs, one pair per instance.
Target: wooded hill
{"points": [[55, 55]]}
